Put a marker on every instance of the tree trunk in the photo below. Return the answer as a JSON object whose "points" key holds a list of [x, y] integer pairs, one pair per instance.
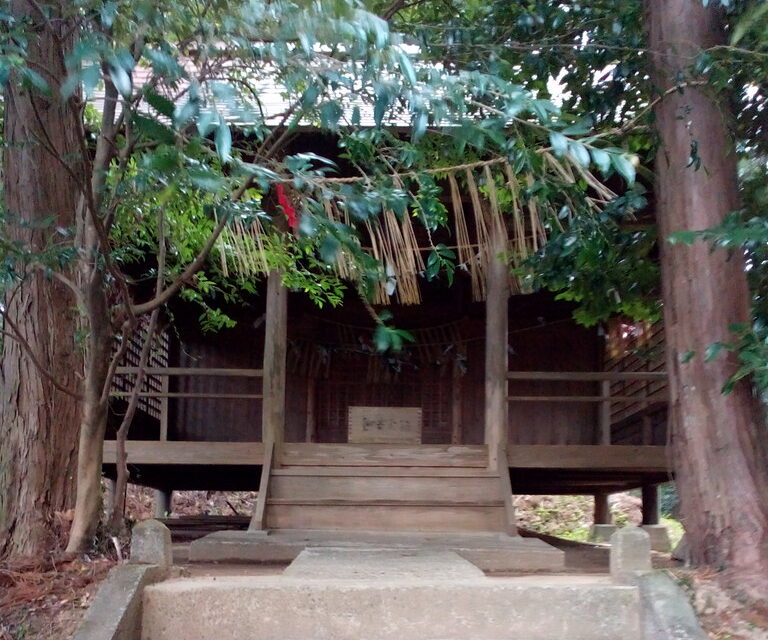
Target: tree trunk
{"points": [[38, 424], [94, 421], [720, 461]]}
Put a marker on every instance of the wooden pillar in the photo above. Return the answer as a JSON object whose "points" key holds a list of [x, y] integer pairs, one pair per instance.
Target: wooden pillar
{"points": [[602, 513], [163, 502], [496, 361], [605, 412], [311, 428], [650, 504], [457, 436], [275, 341]]}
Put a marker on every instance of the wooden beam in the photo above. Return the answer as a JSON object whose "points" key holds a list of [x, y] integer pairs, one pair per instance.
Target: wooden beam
{"points": [[194, 396], [193, 371], [275, 341], [588, 457], [587, 376], [496, 360], [175, 453]]}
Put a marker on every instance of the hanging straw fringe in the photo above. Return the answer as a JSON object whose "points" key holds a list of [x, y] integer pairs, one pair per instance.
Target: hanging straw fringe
{"points": [[393, 242]]}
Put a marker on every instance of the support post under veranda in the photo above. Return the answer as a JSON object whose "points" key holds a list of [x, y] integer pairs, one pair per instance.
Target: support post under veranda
{"points": [[496, 358], [274, 378]]}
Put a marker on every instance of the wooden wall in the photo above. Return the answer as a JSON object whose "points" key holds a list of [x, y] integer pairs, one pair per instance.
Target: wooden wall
{"points": [[331, 356]]}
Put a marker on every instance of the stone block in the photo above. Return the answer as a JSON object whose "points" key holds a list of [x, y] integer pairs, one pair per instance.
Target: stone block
{"points": [[408, 608], [630, 553], [659, 537], [151, 544], [371, 563], [667, 612], [115, 613], [602, 532]]}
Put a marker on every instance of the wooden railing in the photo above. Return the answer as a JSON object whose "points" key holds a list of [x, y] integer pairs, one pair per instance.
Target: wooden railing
{"points": [[165, 394], [641, 397]]}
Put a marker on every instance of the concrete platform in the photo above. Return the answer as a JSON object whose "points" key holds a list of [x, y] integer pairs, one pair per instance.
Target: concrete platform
{"points": [[373, 564], [489, 552], [291, 608]]}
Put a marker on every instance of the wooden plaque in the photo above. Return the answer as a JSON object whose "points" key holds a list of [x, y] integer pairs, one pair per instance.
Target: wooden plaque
{"points": [[384, 425]]}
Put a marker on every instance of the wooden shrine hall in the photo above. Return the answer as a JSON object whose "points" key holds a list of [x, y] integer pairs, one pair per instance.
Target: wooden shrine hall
{"points": [[500, 391], [495, 397]]}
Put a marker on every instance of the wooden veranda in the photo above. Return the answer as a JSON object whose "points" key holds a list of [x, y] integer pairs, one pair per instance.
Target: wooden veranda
{"points": [[607, 434]]}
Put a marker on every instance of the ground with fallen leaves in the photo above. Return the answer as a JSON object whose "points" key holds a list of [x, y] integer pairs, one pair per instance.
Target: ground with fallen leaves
{"points": [[46, 600]]}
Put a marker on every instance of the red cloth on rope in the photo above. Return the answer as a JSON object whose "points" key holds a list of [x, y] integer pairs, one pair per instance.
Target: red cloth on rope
{"points": [[288, 209]]}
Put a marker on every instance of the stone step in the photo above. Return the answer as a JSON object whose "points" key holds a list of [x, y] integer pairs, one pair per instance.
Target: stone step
{"points": [[489, 551], [408, 608]]}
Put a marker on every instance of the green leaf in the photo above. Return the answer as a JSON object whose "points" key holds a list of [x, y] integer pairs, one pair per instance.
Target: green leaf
{"points": [[712, 351], [579, 153], [121, 80], [683, 237], [406, 67], [223, 141], [206, 180], [687, 356], [749, 20], [161, 104], [602, 160], [625, 166], [329, 249], [153, 130], [381, 338], [559, 143]]}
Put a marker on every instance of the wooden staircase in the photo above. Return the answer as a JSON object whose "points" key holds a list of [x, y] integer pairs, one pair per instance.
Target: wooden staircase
{"points": [[425, 488]]}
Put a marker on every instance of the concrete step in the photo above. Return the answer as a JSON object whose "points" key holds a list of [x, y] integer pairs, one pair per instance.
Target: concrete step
{"points": [[489, 551], [409, 608]]}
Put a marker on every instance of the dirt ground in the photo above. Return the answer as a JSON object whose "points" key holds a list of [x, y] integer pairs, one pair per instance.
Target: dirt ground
{"points": [[47, 600]]}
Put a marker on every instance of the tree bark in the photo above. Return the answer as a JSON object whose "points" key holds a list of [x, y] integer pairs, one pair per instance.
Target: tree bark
{"points": [[95, 406], [720, 459], [38, 424]]}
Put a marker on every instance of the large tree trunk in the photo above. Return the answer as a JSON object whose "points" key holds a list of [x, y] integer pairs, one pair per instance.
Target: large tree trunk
{"points": [[718, 440], [38, 424]]}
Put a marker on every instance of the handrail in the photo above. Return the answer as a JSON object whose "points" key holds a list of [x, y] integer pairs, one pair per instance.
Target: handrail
{"points": [[193, 371], [588, 376], [605, 398]]}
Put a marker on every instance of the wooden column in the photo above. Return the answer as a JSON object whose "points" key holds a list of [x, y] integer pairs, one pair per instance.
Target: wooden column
{"points": [[605, 412], [275, 341], [602, 513], [163, 503], [496, 327], [650, 504], [457, 436], [311, 428]]}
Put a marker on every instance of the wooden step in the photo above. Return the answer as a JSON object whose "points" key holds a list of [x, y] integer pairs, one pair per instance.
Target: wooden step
{"points": [[392, 471], [466, 489], [384, 455], [383, 502], [433, 517]]}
